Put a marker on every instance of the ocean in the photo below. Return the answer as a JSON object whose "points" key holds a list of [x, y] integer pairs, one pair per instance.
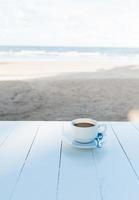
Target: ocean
{"points": [[15, 53]]}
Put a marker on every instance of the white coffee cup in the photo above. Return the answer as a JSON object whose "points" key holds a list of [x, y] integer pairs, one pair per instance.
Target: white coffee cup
{"points": [[85, 129]]}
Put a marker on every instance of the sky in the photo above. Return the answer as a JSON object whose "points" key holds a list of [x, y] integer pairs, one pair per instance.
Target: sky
{"points": [[113, 23]]}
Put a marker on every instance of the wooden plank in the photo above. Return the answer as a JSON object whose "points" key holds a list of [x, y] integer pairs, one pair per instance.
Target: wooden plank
{"points": [[40, 175], [136, 125], [13, 154], [6, 128], [128, 137], [78, 177], [117, 180]]}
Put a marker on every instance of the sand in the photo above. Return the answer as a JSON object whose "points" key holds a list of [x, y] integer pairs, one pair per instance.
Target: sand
{"points": [[68, 90]]}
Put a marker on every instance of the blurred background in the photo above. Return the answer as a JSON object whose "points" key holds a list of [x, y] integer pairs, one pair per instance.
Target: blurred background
{"points": [[65, 59]]}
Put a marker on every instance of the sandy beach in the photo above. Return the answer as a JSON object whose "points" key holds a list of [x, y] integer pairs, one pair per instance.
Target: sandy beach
{"points": [[67, 90]]}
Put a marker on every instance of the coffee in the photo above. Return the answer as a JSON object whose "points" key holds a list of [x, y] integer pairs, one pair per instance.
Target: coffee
{"points": [[84, 124]]}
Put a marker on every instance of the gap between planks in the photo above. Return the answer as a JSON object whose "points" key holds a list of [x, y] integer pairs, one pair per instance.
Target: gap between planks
{"points": [[11, 130], [59, 167]]}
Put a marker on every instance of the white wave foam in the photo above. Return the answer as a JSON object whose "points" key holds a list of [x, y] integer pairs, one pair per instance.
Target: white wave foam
{"points": [[62, 55], [48, 53]]}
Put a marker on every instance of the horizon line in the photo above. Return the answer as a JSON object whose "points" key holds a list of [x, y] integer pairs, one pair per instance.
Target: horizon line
{"points": [[64, 46]]}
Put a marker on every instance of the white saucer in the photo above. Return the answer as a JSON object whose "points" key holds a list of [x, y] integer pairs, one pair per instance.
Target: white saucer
{"points": [[96, 143]]}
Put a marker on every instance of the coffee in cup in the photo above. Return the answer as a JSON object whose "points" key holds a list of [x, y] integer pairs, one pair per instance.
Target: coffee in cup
{"points": [[84, 124]]}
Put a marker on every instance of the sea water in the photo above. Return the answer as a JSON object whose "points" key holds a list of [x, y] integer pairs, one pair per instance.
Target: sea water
{"points": [[13, 53]]}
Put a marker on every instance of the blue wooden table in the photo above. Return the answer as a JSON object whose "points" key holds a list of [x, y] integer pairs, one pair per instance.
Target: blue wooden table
{"points": [[36, 165]]}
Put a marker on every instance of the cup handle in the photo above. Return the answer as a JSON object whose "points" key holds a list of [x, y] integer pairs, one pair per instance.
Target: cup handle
{"points": [[102, 128]]}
